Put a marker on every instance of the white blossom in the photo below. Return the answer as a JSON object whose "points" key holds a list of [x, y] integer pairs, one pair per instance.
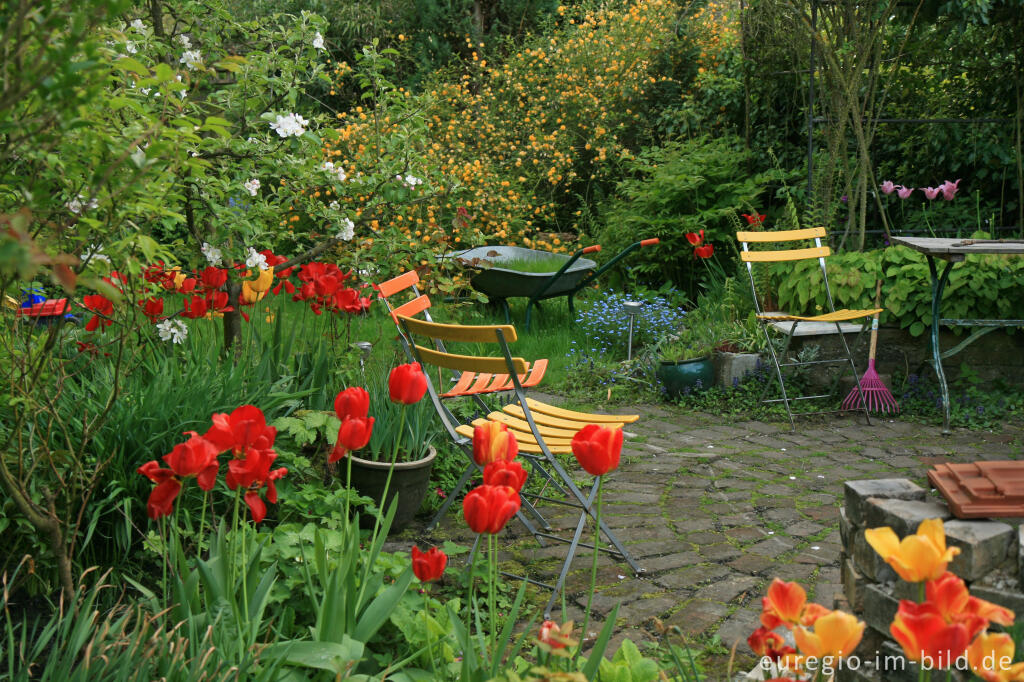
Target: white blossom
{"points": [[174, 331], [412, 180], [191, 58], [318, 41], [138, 25], [76, 205], [291, 125], [130, 48], [184, 41], [334, 205], [181, 93], [251, 140], [213, 254], [256, 259], [336, 170], [348, 230], [253, 187], [95, 253]]}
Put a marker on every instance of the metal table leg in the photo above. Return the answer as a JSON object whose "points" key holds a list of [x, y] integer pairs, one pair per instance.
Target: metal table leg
{"points": [[938, 285]]}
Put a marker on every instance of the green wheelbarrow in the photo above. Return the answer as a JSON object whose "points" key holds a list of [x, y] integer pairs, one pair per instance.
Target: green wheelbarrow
{"points": [[502, 283]]}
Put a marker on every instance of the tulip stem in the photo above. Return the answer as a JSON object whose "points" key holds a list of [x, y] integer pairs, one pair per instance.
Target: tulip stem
{"points": [[492, 572], [387, 481], [593, 567], [426, 623], [921, 593], [202, 523]]}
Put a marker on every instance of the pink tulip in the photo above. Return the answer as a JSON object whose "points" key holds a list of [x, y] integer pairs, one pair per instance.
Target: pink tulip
{"points": [[931, 192], [903, 192], [887, 187], [949, 189]]}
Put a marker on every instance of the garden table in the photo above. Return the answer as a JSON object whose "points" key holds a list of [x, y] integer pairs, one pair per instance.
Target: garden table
{"points": [[955, 251]]}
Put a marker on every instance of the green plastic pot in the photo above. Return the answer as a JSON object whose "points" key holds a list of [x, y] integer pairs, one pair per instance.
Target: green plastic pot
{"points": [[688, 376]]}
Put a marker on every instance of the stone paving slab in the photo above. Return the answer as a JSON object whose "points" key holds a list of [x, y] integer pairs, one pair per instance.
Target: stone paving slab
{"points": [[720, 507]]}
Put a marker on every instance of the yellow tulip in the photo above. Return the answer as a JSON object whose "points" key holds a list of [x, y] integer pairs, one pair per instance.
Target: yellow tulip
{"points": [[922, 556], [249, 294], [991, 658], [262, 281], [835, 635]]}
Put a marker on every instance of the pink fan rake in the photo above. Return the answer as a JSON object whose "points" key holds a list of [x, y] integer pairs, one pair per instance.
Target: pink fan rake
{"points": [[876, 396]]}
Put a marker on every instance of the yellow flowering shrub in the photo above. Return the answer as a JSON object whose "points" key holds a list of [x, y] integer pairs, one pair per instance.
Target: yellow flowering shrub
{"points": [[519, 143]]}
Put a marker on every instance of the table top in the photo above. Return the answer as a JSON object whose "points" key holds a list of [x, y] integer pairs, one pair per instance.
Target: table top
{"points": [[956, 249]]}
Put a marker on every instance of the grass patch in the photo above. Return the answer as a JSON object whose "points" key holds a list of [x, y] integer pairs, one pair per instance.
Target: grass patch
{"points": [[546, 263]]}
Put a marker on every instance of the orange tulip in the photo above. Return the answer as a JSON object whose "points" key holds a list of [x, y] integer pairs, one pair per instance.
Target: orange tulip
{"points": [[766, 643], [786, 604], [835, 635], [249, 294], [553, 636], [918, 557], [493, 442], [991, 658], [954, 603], [926, 636]]}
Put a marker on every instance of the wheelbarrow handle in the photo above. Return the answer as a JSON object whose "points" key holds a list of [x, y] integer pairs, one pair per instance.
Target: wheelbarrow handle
{"points": [[650, 242], [592, 249]]}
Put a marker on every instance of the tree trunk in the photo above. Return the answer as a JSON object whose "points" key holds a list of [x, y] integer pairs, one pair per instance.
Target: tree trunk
{"points": [[233, 318]]}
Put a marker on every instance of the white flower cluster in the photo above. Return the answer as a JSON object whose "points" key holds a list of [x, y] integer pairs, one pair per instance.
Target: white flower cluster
{"points": [[191, 58], [348, 230], [318, 41], [336, 170], [253, 187], [94, 254], [76, 206], [138, 25], [174, 331], [409, 181], [184, 41], [213, 254], [255, 259], [291, 125], [334, 205]]}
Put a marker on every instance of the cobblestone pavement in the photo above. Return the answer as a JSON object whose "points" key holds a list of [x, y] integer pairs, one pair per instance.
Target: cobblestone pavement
{"points": [[714, 508]]}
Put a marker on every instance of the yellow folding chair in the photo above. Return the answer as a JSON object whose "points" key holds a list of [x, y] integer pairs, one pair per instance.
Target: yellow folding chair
{"points": [[766, 319], [541, 430]]}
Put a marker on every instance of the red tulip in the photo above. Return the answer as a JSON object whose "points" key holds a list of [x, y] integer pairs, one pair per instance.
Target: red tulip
{"points": [[597, 448], [194, 307], [353, 434], [102, 306], [217, 300], [244, 429], [407, 384], [695, 238], [352, 402], [705, 251], [161, 498], [493, 442], [195, 457], [756, 219], [487, 508], [555, 636], [152, 308], [213, 278], [502, 472], [253, 473], [925, 636], [766, 643], [428, 566]]}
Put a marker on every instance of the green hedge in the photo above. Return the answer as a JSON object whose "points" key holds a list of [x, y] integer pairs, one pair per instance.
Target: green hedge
{"points": [[983, 287]]}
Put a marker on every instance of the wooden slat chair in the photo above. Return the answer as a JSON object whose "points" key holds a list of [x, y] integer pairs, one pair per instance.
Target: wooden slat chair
{"points": [[464, 383], [766, 319], [542, 431]]}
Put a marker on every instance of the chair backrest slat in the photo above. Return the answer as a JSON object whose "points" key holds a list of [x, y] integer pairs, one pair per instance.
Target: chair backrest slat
{"points": [[781, 236], [469, 363], [397, 284], [460, 332], [788, 254], [410, 308]]}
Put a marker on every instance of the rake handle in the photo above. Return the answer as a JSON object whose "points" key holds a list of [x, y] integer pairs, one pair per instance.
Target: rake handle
{"points": [[874, 323]]}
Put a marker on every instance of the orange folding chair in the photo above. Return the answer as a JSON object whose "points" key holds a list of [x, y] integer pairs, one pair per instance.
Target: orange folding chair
{"points": [[464, 383]]}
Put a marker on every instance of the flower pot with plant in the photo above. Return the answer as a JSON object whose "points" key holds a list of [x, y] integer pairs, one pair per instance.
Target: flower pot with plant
{"points": [[685, 364], [395, 452]]}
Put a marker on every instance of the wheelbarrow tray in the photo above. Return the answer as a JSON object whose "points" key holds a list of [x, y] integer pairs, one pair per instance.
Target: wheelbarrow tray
{"points": [[499, 282]]}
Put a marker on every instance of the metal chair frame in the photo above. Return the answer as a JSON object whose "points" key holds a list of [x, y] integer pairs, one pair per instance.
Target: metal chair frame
{"points": [[765, 319]]}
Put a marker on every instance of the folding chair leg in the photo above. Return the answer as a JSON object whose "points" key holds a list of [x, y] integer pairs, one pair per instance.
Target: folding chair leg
{"points": [[570, 554], [778, 372], [452, 495]]}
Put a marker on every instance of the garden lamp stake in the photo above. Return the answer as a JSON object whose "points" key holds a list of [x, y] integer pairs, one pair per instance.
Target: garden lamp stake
{"points": [[632, 308]]}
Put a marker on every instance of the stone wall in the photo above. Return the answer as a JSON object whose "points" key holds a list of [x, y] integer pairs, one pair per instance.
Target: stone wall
{"points": [[997, 355], [991, 562]]}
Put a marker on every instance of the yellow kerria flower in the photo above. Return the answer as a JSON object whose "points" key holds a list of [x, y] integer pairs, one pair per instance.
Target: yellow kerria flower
{"points": [[922, 556]]}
